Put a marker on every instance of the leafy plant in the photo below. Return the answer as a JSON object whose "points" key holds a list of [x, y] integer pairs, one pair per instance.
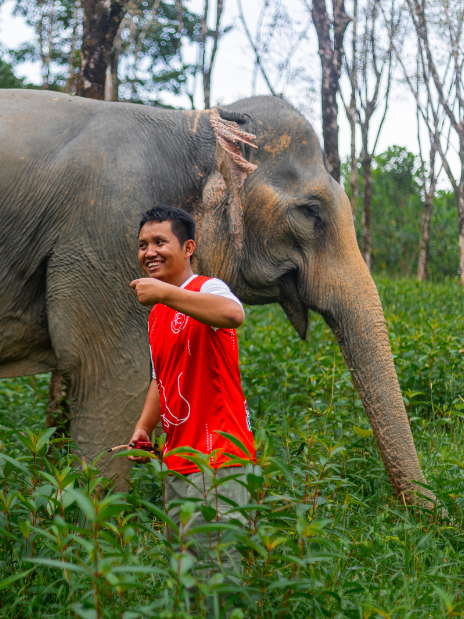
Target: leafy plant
{"points": [[325, 536]]}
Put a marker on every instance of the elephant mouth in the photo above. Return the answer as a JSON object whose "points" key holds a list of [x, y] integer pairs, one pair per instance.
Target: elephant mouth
{"points": [[293, 306]]}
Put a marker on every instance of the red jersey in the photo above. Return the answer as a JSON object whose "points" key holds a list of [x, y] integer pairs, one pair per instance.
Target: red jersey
{"points": [[198, 377]]}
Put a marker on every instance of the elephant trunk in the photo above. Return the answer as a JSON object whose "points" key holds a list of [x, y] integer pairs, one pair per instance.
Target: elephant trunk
{"points": [[357, 320]]}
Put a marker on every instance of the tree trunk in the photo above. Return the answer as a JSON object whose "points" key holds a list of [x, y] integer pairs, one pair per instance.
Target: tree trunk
{"points": [[460, 201], [422, 266], [101, 20], [72, 76], [207, 89], [461, 231], [112, 79], [366, 219], [331, 55], [354, 169], [207, 65]]}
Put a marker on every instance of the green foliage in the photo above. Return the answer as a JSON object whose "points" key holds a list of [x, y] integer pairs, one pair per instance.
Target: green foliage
{"points": [[157, 65], [396, 218], [7, 77], [325, 535], [444, 245], [148, 49], [55, 24]]}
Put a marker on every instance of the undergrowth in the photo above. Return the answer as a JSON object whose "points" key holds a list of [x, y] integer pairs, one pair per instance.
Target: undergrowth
{"points": [[325, 535]]}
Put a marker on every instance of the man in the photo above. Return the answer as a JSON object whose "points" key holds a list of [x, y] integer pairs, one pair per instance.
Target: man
{"points": [[195, 388]]}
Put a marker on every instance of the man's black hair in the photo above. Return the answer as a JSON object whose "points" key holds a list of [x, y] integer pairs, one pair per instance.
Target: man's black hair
{"points": [[182, 224]]}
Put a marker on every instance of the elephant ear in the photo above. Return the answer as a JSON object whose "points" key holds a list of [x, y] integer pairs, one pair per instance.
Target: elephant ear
{"points": [[233, 166]]}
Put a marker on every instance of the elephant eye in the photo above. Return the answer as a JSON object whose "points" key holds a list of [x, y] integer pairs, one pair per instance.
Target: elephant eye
{"points": [[311, 212]]}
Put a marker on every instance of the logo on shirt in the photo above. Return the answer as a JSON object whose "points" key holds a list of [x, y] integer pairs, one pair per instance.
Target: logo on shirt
{"points": [[247, 413], [179, 322], [182, 410]]}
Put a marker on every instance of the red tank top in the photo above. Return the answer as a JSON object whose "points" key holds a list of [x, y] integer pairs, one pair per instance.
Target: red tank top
{"points": [[198, 378]]}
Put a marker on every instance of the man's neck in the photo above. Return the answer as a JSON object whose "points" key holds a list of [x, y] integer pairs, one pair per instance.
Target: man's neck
{"points": [[181, 278]]}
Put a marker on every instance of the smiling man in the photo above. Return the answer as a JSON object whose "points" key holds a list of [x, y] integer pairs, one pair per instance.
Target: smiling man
{"points": [[195, 388]]}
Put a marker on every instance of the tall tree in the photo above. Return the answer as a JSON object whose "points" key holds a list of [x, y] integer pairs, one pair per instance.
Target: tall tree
{"points": [[330, 33], [370, 73], [351, 110], [147, 59], [275, 43], [101, 20], [56, 25], [428, 115], [207, 57], [74, 55], [439, 28]]}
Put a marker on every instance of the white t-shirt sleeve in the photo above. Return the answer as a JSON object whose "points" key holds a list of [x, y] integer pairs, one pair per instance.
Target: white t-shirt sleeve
{"points": [[217, 286]]}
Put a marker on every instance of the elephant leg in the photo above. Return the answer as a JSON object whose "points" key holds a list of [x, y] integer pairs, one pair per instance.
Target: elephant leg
{"points": [[105, 416], [99, 335]]}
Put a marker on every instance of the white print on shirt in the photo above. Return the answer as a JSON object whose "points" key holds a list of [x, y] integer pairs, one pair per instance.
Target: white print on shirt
{"points": [[179, 322], [209, 442], [233, 336], [209, 439], [247, 413], [188, 347], [170, 418]]}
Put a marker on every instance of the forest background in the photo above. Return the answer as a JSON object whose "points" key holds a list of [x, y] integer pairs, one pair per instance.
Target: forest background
{"points": [[356, 65]]}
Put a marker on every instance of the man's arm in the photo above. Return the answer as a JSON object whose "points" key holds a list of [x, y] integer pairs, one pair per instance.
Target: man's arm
{"points": [[148, 420], [210, 309]]}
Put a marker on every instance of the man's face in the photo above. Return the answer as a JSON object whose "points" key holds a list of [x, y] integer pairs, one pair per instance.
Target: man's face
{"points": [[160, 254]]}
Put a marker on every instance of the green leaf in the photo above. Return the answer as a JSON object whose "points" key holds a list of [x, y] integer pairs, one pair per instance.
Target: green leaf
{"points": [[288, 559], [110, 511], [159, 513], [213, 526], [253, 545], [28, 444], [362, 433], [446, 598], [62, 565], [208, 512], [43, 437], [9, 535], [284, 468], [25, 529], [84, 503], [254, 476], [15, 463], [9, 581], [235, 441], [85, 611], [138, 569], [7, 469]]}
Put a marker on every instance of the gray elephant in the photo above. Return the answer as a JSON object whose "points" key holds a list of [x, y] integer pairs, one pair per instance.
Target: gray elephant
{"points": [[75, 176]]}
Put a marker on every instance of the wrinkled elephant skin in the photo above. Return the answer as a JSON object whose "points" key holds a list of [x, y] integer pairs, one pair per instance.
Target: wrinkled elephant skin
{"points": [[76, 175]]}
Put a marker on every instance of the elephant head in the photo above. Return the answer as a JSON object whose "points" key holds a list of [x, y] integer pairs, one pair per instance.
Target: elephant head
{"points": [[279, 228]]}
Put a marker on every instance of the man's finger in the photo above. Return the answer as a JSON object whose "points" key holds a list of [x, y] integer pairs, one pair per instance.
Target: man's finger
{"points": [[134, 283]]}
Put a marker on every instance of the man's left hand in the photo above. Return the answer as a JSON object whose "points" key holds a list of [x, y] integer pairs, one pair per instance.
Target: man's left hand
{"points": [[148, 290]]}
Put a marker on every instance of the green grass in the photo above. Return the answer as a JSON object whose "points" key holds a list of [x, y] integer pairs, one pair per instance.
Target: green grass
{"points": [[327, 537]]}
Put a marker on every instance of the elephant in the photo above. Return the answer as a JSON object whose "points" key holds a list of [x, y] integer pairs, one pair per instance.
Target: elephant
{"points": [[76, 174]]}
